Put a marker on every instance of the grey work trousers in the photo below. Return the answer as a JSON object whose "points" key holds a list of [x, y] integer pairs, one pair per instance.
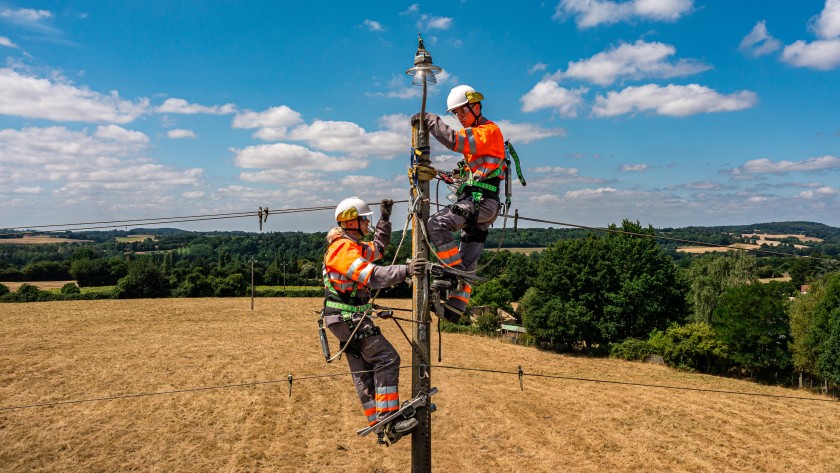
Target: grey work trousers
{"points": [[376, 370], [473, 234]]}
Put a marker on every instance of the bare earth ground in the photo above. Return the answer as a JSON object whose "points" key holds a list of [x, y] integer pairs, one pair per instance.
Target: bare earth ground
{"points": [[60, 351]]}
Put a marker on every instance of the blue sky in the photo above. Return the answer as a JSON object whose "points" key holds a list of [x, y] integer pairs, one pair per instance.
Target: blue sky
{"points": [[669, 112]]}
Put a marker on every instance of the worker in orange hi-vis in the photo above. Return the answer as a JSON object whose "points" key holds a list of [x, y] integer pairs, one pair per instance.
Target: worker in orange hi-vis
{"points": [[477, 206], [349, 275]]}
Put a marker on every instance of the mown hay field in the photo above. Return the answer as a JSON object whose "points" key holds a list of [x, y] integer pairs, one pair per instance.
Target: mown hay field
{"points": [[64, 351]]}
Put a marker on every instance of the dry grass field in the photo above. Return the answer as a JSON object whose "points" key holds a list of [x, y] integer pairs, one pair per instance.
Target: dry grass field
{"points": [[43, 285], [38, 240], [133, 238], [60, 351]]}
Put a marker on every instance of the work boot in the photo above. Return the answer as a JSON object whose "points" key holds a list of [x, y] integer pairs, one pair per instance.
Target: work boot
{"points": [[404, 426]]}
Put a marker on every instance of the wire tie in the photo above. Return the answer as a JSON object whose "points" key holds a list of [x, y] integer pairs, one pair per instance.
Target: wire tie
{"points": [[290, 384], [521, 375]]}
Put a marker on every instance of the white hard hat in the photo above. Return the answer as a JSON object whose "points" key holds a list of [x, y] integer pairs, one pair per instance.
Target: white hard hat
{"points": [[461, 95], [351, 208]]}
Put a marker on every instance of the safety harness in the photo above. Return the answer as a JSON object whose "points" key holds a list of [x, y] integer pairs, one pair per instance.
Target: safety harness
{"points": [[348, 311]]}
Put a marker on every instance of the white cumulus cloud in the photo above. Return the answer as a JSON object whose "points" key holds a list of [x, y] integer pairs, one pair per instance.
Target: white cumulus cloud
{"points": [[549, 94], [180, 133], [671, 100], [373, 25], [181, 106], [635, 61], [522, 133], [824, 53], [339, 136], [4, 41], [821, 54], [633, 167], [275, 117], [24, 15], [759, 42], [290, 156], [33, 97], [821, 192], [437, 22], [590, 13], [29, 190], [767, 166], [827, 25], [104, 167]]}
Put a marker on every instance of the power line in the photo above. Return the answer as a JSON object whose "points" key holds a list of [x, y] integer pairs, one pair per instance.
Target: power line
{"points": [[644, 385], [61, 227], [291, 378]]}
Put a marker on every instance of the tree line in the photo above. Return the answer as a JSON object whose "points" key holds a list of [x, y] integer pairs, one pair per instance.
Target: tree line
{"points": [[585, 291]]}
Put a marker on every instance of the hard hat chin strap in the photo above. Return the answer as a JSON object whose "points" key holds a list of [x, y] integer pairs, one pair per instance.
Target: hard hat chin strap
{"points": [[475, 115]]}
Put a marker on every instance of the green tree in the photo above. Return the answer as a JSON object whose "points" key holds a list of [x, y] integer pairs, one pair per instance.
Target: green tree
{"points": [[144, 280], [230, 286], [692, 347], [70, 288], [752, 321], [91, 272], [194, 284], [517, 273], [815, 325], [488, 323], [603, 289], [4, 290], [492, 294], [711, 275], [46, 271]]}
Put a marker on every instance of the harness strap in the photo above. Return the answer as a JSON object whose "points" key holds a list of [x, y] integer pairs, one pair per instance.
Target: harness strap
{"points": [[348, 310]]}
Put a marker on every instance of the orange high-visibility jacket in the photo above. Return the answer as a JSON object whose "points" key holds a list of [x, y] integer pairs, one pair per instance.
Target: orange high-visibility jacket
{"points": [[348, 266], [348, 263], [483, 146]]}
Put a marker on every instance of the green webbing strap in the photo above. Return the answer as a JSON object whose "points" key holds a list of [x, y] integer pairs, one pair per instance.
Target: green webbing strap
{"points": [[471, 183], [512, 153], [347, 309]]}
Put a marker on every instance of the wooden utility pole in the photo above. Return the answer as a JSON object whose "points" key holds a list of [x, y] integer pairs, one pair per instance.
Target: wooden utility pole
{"points": [[421, 438]]}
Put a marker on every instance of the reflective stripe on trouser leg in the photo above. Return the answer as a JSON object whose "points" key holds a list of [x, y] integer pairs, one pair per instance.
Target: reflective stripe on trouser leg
{"points": [[459, 298], [363, 377], [440, 228], [378, 353], [370, 412], [448, 254], [387, 399]]}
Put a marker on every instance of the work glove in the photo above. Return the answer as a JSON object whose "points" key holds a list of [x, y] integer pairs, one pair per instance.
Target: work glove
{"points": [[415, 119], [417, 266], [385, 208]]}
